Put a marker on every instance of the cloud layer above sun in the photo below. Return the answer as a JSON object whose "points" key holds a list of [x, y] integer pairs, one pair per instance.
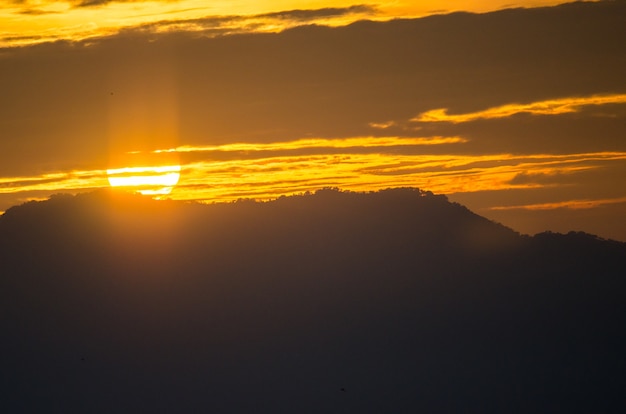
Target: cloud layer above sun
{"points": [[29, 22]]}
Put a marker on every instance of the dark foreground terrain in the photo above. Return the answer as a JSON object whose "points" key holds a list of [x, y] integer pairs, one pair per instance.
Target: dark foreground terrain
{"points": [[390, 302]]}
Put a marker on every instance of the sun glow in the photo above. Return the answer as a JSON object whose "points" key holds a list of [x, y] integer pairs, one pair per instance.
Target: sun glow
{"points": [[146, 180]]}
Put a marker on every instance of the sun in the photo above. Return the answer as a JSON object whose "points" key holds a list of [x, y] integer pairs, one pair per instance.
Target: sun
{"points": [[148, 172], [147, 180]]}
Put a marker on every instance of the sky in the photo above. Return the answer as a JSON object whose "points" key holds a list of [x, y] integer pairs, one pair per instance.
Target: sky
{"points": [[516, 110], [34, 21]]}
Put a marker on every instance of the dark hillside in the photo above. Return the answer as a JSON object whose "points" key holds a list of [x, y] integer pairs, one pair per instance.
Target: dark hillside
{"points": [[396, 301]]}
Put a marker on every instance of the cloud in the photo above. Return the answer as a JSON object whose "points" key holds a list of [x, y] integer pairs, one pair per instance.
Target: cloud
{"points": [[383, 125], [268, 170], [54, 182], [92, 3], [296, 14], [270, 177], [330, 143], [264, 22], [569, 204], [546, 107], [35, 12], [307, 15], [96, 3], [552, 176], [210, 26]]}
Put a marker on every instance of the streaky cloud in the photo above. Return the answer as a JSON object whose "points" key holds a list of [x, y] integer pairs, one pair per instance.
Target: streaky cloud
{"points": [[305, 14], [97, 3], [218, 25], [569, 204], [253, 173], [309, 143], [37, 12], [54, 181], [269, 177], [546, 107], [209, 26]]}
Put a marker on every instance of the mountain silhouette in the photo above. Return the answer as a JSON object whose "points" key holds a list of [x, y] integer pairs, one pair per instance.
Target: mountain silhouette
{"points": [[395, 301]]}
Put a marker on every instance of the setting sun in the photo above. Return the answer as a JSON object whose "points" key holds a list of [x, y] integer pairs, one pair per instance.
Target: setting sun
{"points": [[146, 180]]}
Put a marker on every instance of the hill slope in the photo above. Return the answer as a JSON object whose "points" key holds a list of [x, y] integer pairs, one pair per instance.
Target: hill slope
{"points": [[395, 301]]}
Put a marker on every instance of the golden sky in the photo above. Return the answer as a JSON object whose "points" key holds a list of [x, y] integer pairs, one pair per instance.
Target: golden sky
{"points": [[33, 21], [517, 110]]}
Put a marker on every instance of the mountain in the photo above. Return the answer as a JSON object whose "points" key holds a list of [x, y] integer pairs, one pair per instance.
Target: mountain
{"points": [[396, 301]]}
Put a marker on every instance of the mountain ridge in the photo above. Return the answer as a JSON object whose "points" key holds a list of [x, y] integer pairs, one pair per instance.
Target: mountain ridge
{"points": [[402, 299]]}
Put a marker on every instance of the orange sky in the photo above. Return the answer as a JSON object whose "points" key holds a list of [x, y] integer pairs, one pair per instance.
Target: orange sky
{"points": [[33, 21], [518, 114]]}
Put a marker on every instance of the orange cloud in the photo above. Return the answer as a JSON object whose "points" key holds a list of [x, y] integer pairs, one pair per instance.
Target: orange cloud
{"points": [[270, 177], [547, 107], [54, 182], [569, 204], [252, 174], [26, 22], [343, 143], [77, 20]]}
